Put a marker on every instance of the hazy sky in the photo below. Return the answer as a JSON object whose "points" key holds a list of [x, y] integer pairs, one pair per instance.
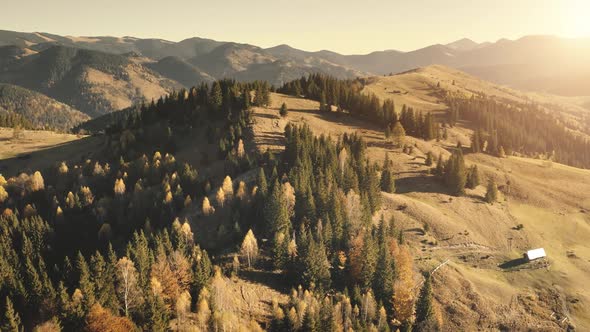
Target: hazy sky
{"points": [[340, 25]]}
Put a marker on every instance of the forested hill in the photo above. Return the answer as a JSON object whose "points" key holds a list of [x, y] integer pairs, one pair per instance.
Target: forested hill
{"points": [[36, 110], [93, 82], [105, 241]]}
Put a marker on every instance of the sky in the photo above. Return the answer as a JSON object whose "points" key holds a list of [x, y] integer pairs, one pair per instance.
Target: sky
{"points": [[345, 26]]}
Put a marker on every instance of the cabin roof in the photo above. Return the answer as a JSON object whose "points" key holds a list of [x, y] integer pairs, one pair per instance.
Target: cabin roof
{"points": [[536, 253]]}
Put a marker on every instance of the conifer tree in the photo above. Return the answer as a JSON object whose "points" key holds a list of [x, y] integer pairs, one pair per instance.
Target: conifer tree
{"points": [[369, 261], [473, 178], [492, 192], [12, 322], [455, 173], [216, 97], [424, 308], [501, 153], [85, 281], [476, 141], [261, 182], [429, 159], [398, 134], [283, 111], [387, 176], [276, 215], [439, 170], [385, 270], [316, 267], [323, 103]]}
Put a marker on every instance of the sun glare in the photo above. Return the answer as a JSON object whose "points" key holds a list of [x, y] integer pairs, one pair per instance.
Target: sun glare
{"points": [[576, 20]]}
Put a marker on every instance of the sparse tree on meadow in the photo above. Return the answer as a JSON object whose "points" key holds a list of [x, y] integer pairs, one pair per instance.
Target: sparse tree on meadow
{"points": [[492, 192], [398, 134], [283, 111]]}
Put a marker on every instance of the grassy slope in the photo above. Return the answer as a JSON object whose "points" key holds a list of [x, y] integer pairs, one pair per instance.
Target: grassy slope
{"points": [[418, 89], [476, 292], [38, 150]]}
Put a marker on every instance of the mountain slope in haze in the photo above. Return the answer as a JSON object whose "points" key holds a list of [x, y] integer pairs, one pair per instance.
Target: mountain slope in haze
{"points": [[180, 71], [542, 63], [93, 82], [40, 110], [212, 58], [464, 44]]}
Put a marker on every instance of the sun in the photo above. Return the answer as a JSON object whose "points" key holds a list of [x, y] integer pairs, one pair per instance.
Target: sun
{"points": [[577, 18]]}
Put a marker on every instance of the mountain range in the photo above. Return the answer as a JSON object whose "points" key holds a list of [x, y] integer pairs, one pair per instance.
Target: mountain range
{"points": [[97, 75]]}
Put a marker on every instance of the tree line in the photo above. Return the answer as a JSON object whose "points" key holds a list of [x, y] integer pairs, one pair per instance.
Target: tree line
{"points": [[347, 95], [504, 128]]}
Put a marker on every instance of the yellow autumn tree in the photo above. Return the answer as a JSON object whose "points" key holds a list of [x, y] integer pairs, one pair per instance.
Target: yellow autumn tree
{"points": [[228, 187], [36, 182], [207, 208], [240, 151], [220, 197], [119, 188], [250, 248], [183, 307], [289, 195], [242, 193], [404, 292], [128, 289], [3, 194], [63, 168]]}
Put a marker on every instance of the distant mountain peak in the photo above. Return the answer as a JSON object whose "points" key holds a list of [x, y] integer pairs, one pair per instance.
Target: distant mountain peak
{"points": [[464, 44]]}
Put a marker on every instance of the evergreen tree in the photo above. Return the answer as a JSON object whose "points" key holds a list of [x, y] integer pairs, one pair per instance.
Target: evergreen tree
{"points": [[387, 176], [276, 215], [455, 173], [425, 320], [398, 133], [216, 96], [283, 111], [385, 270], [473, 178], [476, 141], [316, 267], [369, 261], [429, 159], [439, 171], [85, 282], [12, 322], [323, 103], [501, 153], [492, 192]]}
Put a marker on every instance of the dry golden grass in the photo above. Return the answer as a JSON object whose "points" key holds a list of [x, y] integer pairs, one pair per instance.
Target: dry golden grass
{"points": [[39, 149], [122, 93], [418, 89]]}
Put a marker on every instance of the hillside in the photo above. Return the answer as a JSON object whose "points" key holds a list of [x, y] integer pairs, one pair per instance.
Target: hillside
{"points": [[180, 71], [483, 283], [425, 90], [93, 82], [477, 287], [40, 110]]}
